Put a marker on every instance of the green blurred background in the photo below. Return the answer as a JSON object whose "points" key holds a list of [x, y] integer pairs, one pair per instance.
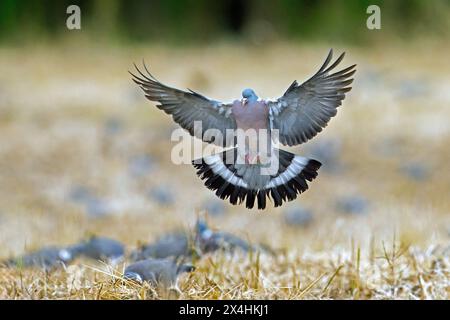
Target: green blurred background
{"points": [[200, 21]]}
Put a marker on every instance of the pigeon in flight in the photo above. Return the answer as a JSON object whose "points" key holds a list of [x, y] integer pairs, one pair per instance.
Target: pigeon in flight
{"points": [[244, 171]]}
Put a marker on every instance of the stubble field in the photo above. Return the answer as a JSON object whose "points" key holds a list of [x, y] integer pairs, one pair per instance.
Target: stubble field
{"points": [[71, 119]]}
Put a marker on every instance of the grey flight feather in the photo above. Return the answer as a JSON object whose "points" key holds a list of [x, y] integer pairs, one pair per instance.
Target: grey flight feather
{"points": [[304, 110], [187, 107]]}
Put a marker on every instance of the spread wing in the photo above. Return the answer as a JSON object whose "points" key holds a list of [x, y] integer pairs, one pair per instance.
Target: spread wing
{"points": [[189, 107], [304, 110]]}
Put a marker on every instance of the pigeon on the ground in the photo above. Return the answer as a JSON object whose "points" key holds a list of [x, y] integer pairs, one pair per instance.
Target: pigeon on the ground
{"points": [[163, 272], [47, 258], [254, 169], [208, 240], [98, 248], [175, 244]]}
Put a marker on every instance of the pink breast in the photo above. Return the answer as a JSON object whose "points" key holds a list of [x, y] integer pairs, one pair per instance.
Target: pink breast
{"points": [[251, 116]]}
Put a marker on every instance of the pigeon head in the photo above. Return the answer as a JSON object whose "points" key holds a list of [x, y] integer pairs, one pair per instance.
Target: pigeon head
{"points": [[133, 276], [250, 95], [65, 255], [182, 268], [203, 230]]}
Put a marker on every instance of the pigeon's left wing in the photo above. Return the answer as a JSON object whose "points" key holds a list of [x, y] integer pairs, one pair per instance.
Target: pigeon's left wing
{"points": [[304, 110], [189, 107]]}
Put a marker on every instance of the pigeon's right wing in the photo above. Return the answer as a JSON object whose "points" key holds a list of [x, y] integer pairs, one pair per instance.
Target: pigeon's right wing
{"points": [[189, 107], [304, 110]]}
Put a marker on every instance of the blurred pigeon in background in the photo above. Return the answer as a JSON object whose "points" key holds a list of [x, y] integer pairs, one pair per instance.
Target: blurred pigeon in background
{"points": [[391, 146], [162, 195], [416, 171], [46, 258], [240, 174], [413, 88], [163, 272], [80, 194], [208, 240], [297, 216], [98, 248], [94, 206], [113, 126], [176, 244], [327, 152], [141, 165], [353, 204]]}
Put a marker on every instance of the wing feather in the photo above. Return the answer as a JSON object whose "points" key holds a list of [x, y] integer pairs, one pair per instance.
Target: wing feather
{"points": [[186, 107], [304, 110]]}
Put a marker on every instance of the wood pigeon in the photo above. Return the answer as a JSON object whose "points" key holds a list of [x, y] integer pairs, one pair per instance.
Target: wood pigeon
{"points": [[208, 240], [46, 258], [163, 272], [98, 248], [176, 244], [241, 174]]}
